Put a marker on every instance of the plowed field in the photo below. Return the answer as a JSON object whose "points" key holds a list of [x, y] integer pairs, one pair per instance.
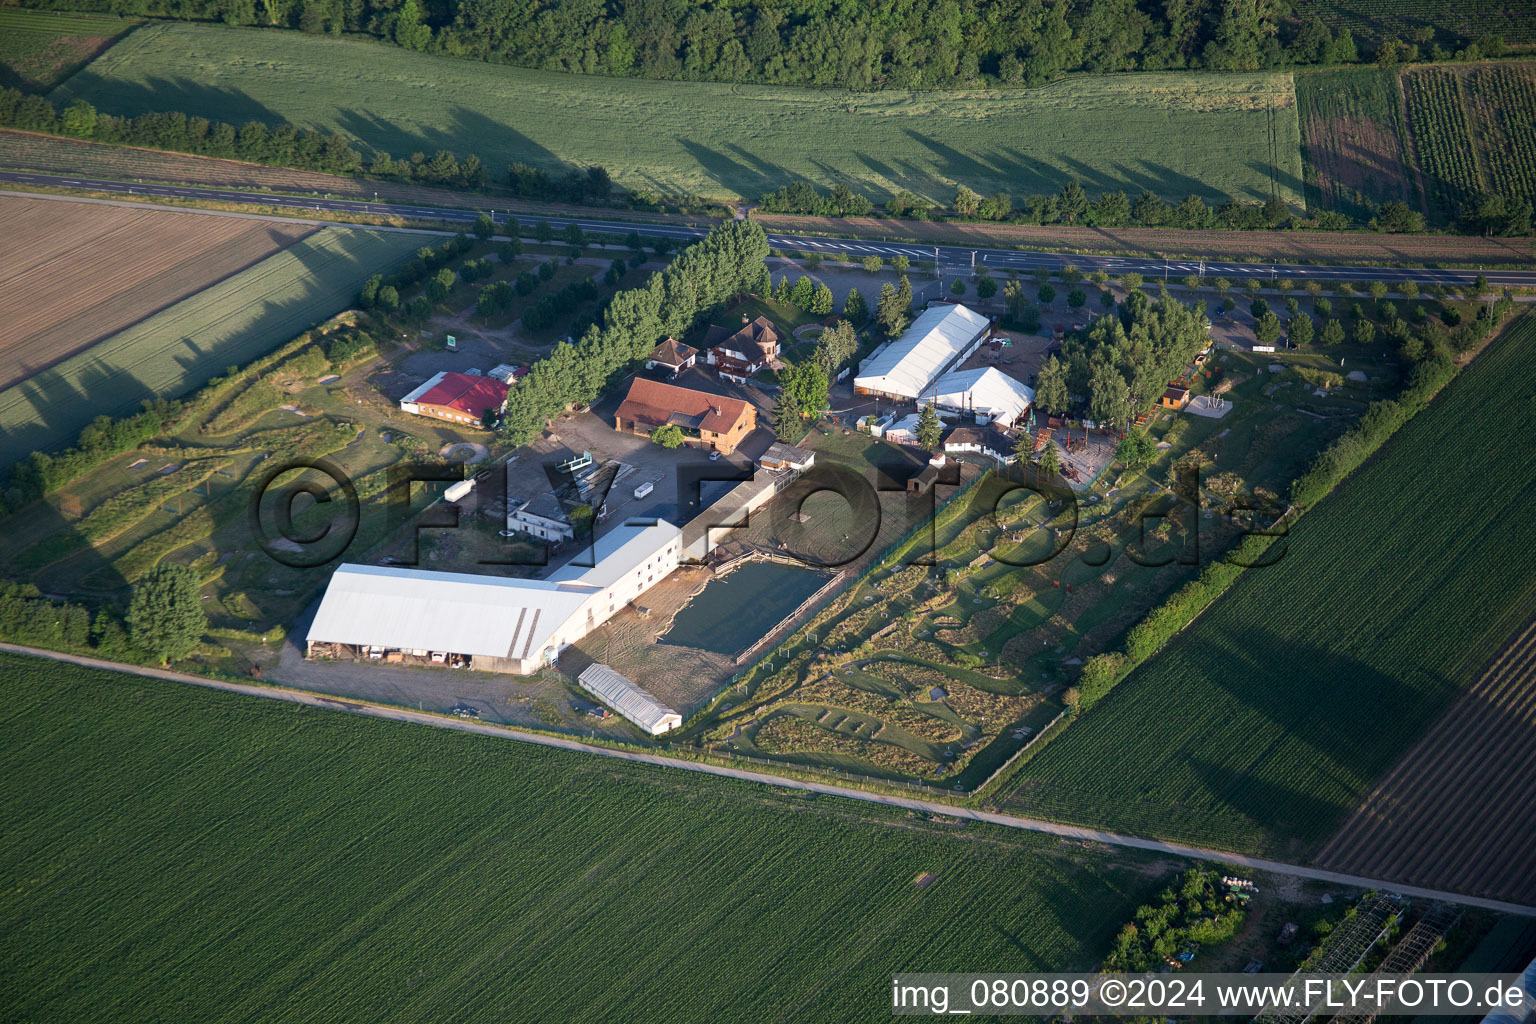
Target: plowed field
{"points": [[1455, 812], [74, 273]]}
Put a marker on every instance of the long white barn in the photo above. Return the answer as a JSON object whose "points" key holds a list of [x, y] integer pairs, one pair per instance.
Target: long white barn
{"points": [[498, 624], [940, 338]]}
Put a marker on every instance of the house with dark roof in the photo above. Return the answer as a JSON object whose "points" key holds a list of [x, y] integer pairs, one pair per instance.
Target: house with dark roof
{"points": [[1176, 396], [458, 398], [714, 421], [671, 355], [781, 456], [542, 516], [988, 441], [739, 354]]}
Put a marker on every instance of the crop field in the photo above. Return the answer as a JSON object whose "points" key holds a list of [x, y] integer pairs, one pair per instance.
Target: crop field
{"points": [[39, 49], [196, 855], [188, 343], [1442, 137], [1117, 132], [1265, 722], [1502, 101], [1467, 787], [1352, 137], [1375, 19], [74, 273]]}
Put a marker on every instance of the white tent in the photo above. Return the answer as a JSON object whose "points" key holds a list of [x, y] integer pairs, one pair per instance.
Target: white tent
{"points": [[990, 393], [938, 339], [629, 700]]}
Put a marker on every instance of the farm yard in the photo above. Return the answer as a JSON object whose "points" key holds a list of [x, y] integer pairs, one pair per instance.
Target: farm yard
{"points": [[74, 273], [444, 858], [1467, 785], [38, 49], [1265, 722], [724, 140], [1353, 140], [942, 660], [175, 350]]}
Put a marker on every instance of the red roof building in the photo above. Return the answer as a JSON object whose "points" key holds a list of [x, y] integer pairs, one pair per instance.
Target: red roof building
{"points": [[457, 397], [719, 422]]}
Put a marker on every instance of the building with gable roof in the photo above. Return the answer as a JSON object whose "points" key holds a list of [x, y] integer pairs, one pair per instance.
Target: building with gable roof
{"points": [[717, 422]]}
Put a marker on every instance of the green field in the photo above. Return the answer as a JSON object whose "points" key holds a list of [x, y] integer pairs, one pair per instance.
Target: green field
{"points": [[1354, 141], [1176, 134], [179, 854], [1377, 19], [38, 50], [180, 348], [1268, 719]]}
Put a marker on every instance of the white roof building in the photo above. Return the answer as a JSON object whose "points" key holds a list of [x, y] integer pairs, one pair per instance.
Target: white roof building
{"points": [[629, 700], [941, 337], [501, 624], [988, 392], [417, 609]]}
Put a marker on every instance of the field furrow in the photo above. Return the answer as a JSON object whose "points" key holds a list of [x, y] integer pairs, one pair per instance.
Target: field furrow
{"points": [[188, 342], [72, 274]]}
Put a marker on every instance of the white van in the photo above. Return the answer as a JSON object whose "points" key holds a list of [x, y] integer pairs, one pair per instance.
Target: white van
{"points": [[644, 489]]}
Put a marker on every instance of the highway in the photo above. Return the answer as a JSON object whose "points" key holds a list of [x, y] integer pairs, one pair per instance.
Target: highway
{"points": [[951, 259]]}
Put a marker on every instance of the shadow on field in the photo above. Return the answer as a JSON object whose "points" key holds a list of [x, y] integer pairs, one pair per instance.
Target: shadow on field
{"points": [[1329, 750], [169, 96], [461, 131], [60, 408]]}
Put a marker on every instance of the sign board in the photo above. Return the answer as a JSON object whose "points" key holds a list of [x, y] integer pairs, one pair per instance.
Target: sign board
{"points": [[453, 343], [1263, 348]]}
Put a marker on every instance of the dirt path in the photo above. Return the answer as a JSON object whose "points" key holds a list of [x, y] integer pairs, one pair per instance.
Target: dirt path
{"points": [[659, 760]]}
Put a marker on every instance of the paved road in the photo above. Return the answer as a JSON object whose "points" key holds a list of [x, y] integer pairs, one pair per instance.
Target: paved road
{"points": [[928, 806], [952, 259]]}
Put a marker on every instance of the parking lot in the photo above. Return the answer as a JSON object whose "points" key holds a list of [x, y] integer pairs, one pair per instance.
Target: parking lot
{"points": [[681, 478]]}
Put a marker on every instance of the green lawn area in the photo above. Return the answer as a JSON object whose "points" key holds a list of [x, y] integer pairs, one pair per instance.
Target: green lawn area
{"points": [[39, 49], [183, 854], [1126, 132], [182, 347], [1265, 721]]}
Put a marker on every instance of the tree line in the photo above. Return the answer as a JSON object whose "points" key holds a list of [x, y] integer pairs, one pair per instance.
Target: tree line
{"points": [[1072, 205], [856, 44], [726, 263]]}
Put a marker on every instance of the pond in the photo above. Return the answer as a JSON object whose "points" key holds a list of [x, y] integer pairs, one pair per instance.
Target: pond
{"points": [[735, 611]]}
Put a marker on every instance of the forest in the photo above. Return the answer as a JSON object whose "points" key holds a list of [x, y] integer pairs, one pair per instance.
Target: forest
{"points": [[854, 44]]}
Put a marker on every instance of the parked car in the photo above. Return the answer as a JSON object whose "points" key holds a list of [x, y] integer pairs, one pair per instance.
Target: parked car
{"points": [[464, 710], [714, 456]]}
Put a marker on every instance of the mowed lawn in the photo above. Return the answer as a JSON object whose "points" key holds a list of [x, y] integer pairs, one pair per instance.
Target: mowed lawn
{"points": [[173, 853], [1177, 134], [1270, 717], [187, 344]]}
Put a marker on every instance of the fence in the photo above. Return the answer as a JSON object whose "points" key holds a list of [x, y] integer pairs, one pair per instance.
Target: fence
{"points": [[1038, 737]]}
